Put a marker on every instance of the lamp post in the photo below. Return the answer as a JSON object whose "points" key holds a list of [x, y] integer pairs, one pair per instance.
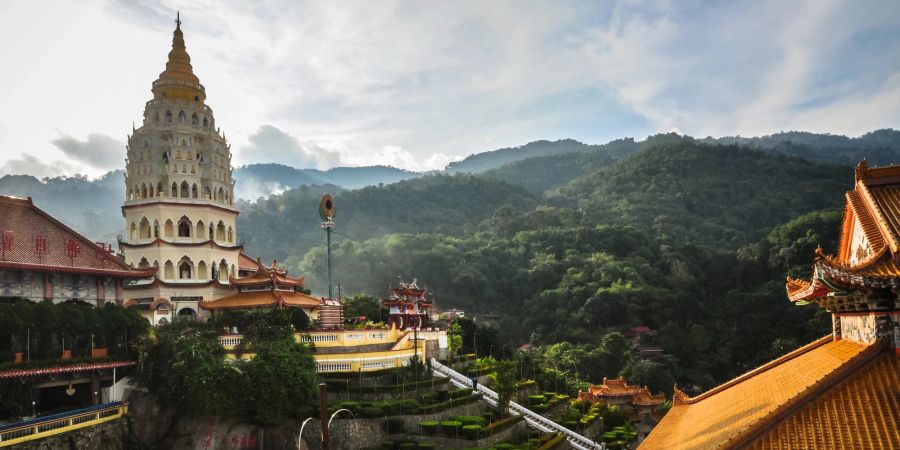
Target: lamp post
{"points": [[33, 410], [326, 212]]}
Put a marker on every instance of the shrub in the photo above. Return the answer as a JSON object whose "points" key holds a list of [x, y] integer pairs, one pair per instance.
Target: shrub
{"points": [[451, 427], [470, 420], [425, 445], [408, 445], [536, 399], [429, 426], [393, 425], [540, 407], [409, 406], [352, 406], [471, 431], [370, 411], [461, 392], [549, 395]]}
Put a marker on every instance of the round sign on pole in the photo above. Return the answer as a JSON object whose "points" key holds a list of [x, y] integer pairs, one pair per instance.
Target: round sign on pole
{"points": [[326, 208]]}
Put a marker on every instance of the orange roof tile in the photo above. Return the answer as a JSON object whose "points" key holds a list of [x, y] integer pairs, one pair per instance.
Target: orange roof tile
{"points": [[863, 411], [262, 299], [726, 416], [645, 398], [245, 262]]}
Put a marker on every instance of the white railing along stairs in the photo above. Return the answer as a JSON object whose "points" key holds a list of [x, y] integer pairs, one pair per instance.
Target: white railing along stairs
{"points": [[534, 419]]}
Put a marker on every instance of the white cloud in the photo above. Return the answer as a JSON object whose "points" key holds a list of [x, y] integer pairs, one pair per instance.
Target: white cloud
{"points": [[27, 164], [99, 150], [416, 84]]}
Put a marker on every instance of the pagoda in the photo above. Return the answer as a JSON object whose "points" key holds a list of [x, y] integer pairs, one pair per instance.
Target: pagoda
{"points": [[841, 391], [179, 204], [266, 287], [408, 307]]}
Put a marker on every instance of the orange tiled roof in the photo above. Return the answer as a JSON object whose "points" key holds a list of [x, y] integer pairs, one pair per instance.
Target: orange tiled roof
{"points": [[863, 412], [726, 416], [645, 398], [245, 262], [613, 388], [262, 299], [267, 275], [35, 240]]}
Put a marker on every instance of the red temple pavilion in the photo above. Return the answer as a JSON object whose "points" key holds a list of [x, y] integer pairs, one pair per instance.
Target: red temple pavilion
{"points": [[408, 306], [265, 287]]}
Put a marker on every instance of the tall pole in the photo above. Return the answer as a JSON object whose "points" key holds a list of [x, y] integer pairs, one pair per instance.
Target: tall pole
{"points": [[323, 414], [328, 260]]}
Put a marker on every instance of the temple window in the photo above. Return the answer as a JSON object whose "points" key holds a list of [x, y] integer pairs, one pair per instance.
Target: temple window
{"points": [[182, 117], [132, 235], [155, 229], [201, 271], [144, 229], [194, 119], [143, 263], [169, 271], [220, 231], [223, 271], [184, 270], [151, 191], [159, 189], [143, 191], [230, 235], [168, 116], [184, 227], [206, 193], [193, 170], [174, 189], [194, 187], [185, 189], [156, 117], [205, 122], [201, 230], [170, 228]]}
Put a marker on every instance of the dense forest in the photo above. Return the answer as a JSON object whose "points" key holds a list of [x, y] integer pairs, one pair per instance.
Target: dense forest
{"points": [[693, 240], [564, 244]]}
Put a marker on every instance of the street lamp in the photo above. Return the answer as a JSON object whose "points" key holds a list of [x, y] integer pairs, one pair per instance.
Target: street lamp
{"points": [[33, 413]]}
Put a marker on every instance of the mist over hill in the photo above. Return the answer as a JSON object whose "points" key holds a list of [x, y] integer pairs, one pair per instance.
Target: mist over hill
{"points": [[541, 167]]}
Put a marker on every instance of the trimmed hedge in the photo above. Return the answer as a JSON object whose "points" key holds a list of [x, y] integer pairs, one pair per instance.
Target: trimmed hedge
{"points": [[451, 427], [500, 424], [536, 399], [470, 420], [429, 427], [471, 431]]}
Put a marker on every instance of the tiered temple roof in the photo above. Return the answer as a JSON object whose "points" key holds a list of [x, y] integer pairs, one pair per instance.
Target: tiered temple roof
{"points": [[408, 294], [618, 388], [31, 239], [267, 287], [842, 391]]}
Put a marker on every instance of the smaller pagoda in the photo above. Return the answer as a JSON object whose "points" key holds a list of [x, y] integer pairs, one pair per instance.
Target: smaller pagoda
{"points": [[618, 392], [266, 287], [408, 306]]}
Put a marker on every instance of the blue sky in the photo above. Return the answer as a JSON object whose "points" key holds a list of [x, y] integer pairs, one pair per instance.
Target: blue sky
{"points": [[418, 84]]}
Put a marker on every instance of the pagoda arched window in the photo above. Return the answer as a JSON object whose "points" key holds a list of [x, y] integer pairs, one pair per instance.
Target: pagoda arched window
{"points": [[156, 228], [169, 228], [202, 272], [205, 122], [193, 187], [174, 192], [193, 170], [184, 270], [143, 263], [223, 270], [168, 116], [230, 235], [207, 194], [220, 231], [200, 233], [132, 233], [182, 117], [151, 191], [184, 227], [194, 119], [211, 231], [144, 228], [169, 270], [185, 188], [143, 190], [221, 195], [159, 189]]}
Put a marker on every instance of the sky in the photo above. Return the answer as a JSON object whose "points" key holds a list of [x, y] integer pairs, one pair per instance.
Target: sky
{"points": [[417, 84]]}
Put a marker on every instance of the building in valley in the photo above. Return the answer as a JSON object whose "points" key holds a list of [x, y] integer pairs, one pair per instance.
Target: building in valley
{"points": [[43, 259], [841, 391], [408, 307], [179, 209]]}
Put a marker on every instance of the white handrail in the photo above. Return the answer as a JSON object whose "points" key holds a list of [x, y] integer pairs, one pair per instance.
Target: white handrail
{"points": [[534, 419]]}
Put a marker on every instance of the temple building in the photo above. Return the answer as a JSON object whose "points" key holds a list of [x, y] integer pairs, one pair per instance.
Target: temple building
{"points": [[408, 307], [267, 287], [841, 391], [43, 259], [179, 209]]}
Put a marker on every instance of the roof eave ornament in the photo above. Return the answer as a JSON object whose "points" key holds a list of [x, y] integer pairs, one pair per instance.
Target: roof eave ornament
{"points": [[862, 170]]}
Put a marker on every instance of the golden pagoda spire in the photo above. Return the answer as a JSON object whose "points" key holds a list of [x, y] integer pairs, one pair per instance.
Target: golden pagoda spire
{"points": [[179, 65]]}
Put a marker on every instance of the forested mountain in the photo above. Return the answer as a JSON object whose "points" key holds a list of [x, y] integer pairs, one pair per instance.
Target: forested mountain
{"points": [[691, 239], [288, 224], [481, 162], [260, 180], [879, 147]]}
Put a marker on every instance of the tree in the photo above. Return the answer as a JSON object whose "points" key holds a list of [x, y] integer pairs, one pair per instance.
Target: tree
{"points": [[281, 382], [362, 305], [503, 380], [455, 339]]}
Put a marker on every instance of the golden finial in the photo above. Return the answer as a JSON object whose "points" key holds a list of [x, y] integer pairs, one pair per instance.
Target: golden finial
{"points": [[178, 20]]}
